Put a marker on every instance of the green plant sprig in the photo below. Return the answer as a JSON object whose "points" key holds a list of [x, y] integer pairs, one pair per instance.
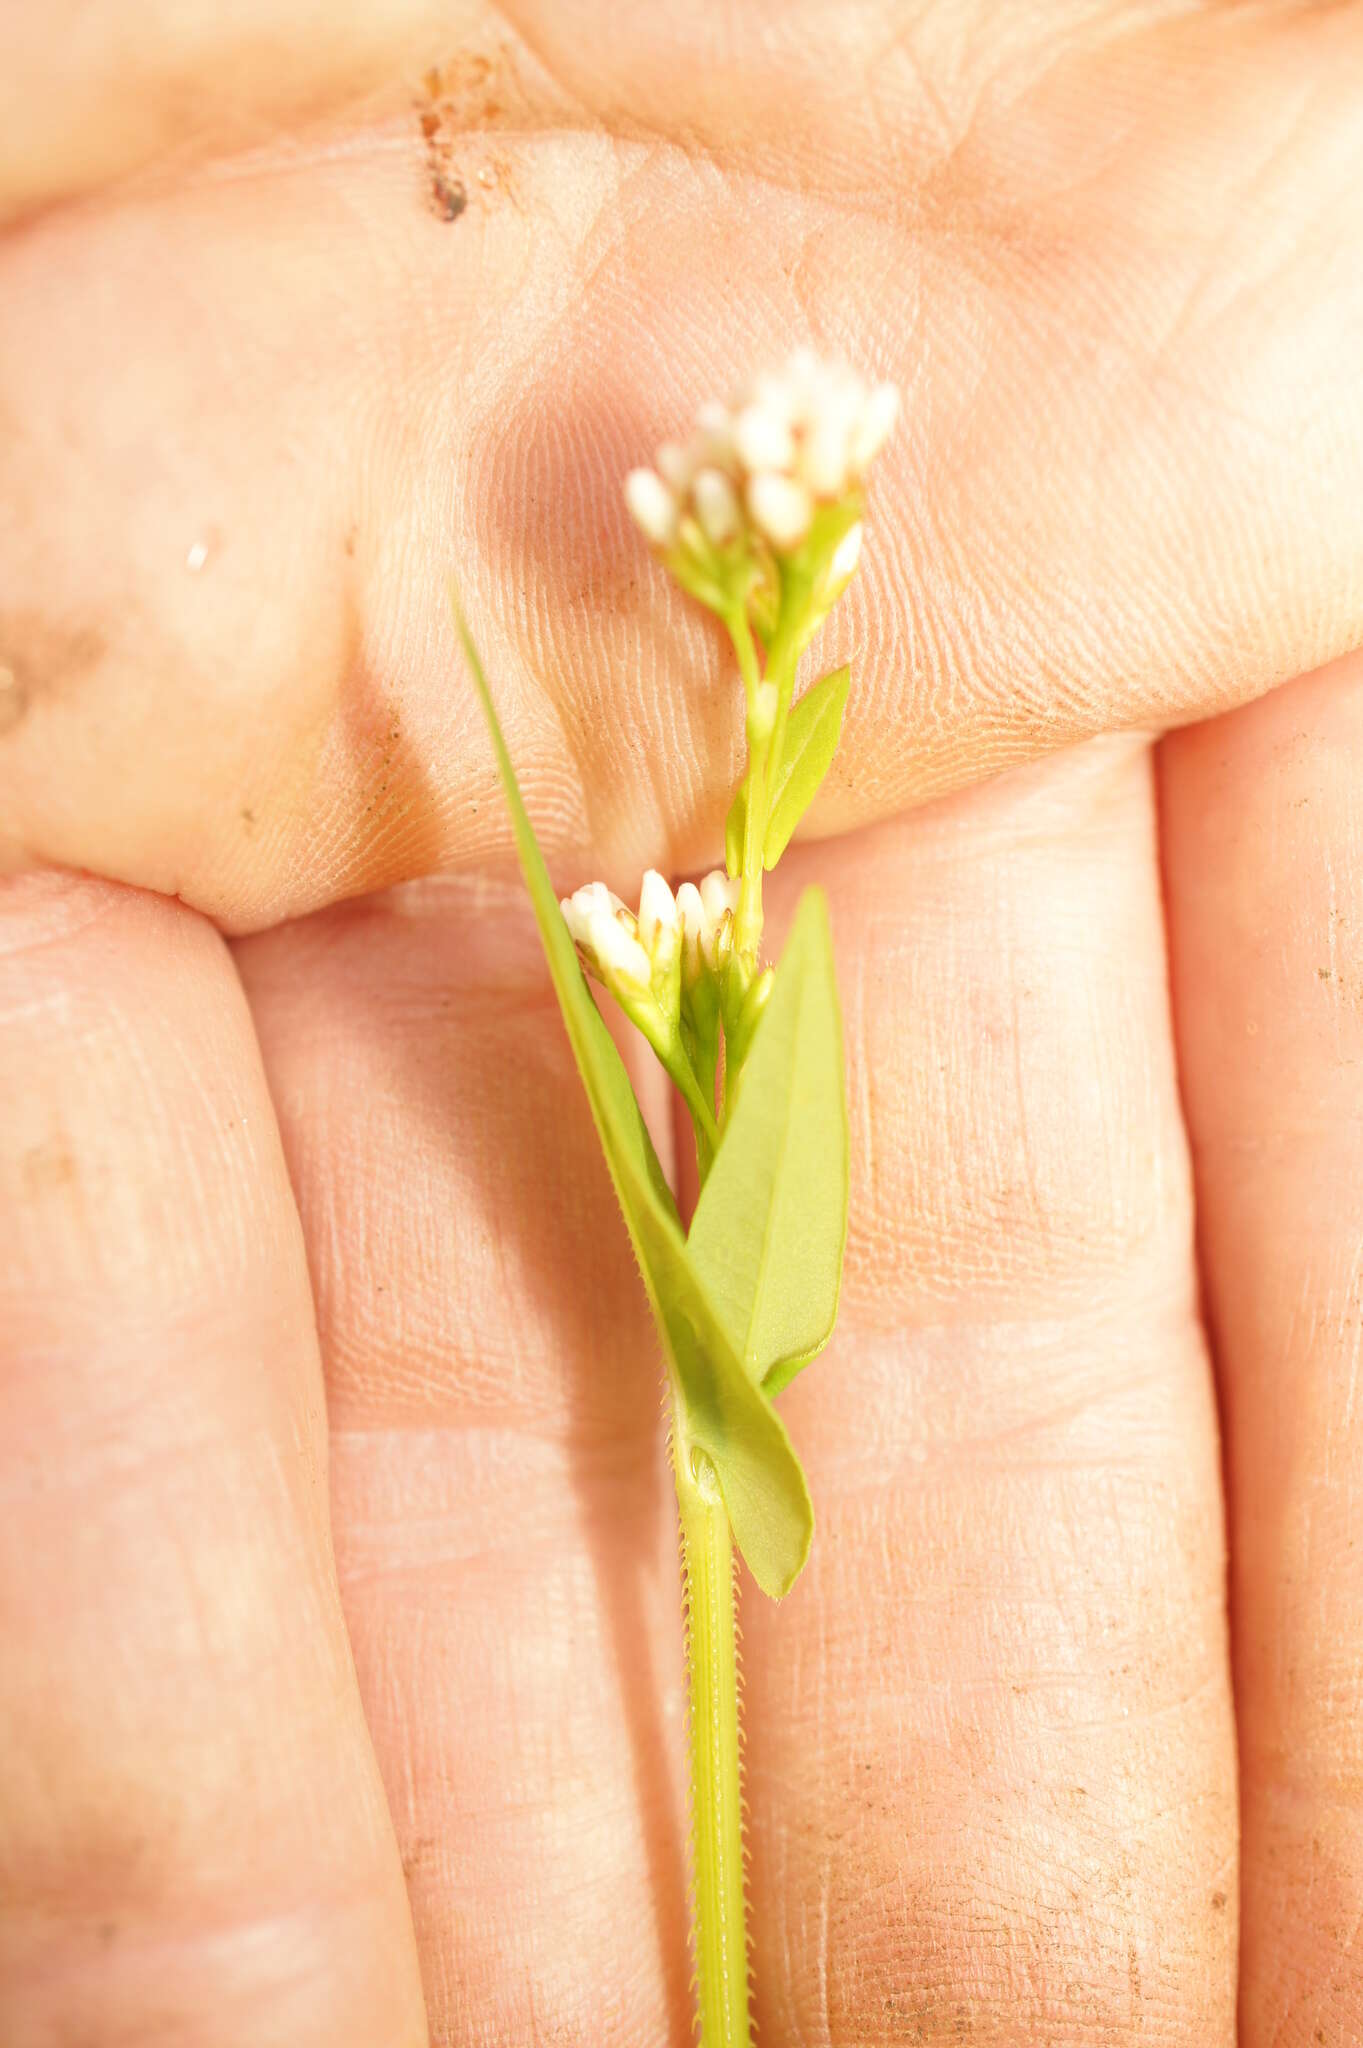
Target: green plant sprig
{"points": [[759, 517]]}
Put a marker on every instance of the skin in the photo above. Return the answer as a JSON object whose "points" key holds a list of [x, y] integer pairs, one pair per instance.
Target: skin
{"points": [[341, 1699]]}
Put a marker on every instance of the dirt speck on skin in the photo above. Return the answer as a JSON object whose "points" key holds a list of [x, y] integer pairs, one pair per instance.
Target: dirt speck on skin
{"points": [[449, 196], [47, 1167], [39, 659], [418, 1855], [470, 93]]}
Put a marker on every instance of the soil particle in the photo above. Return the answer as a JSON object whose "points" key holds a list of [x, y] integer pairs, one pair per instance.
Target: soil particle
{"points": [[469, 94], [38, 659], [448, 195]]}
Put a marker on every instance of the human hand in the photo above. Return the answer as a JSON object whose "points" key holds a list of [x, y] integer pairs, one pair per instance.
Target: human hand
{"points": [[260, 391]]}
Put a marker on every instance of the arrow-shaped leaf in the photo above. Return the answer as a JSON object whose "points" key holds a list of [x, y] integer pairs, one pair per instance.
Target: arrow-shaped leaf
{"points": [[717, 1408], [812, 734], [768, 1233]]}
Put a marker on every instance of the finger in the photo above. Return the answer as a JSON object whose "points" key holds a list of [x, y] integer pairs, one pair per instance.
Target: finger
{"points": [[91, 92], [318, 393], [506, 1539], [990, 1743], [108, 87], [990, 1758], [1263, 821], [193, 1840]]}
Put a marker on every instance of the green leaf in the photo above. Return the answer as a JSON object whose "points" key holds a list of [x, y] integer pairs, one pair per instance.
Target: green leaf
{"points": [[717, 1408], [768, 1233], [812, 733]]}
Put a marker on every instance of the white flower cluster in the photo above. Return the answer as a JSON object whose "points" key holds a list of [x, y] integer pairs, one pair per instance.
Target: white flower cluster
{"points": [[795, 439], [634, 956]]}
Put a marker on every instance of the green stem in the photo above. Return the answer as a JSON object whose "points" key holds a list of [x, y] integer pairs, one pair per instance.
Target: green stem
{"points": [[748, 923], [704, 1126], [719, 1908], [785, 659], [782, 660], [702, 1112], [740, 632]]}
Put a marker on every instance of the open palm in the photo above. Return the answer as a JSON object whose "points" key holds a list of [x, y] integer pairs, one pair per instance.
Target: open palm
{"points": [[341, 1689]]}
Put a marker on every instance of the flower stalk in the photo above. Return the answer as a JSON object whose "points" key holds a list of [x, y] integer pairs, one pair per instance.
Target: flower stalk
{"points": [[759, 517], [720, 1929]]}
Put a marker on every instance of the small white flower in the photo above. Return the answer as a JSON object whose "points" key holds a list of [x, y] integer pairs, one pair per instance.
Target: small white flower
{"points": [[607, 936], [691, 912], [717, 507], [823, 459], [825, 451], [585, 905], [719, 901], [659, 925], [781, 393], [804, 376], [713, 441], [622, 957], [718, 893], [675, 466], [637, 958], [654, 508], [706, 915], [763, 439], [781, 509], [798, 437]]}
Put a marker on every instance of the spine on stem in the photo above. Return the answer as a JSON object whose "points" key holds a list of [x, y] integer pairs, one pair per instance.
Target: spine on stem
{"points": [[719, 1906]]}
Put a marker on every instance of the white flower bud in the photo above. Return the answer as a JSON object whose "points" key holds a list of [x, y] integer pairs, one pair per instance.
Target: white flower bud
{"points": [[718, 894], [716, 507], [620, 956], [717, 936], [606, 935], [659, 926], [776, 393], [676, 467], [591, 900], [803, 375], [691, 916], [763, 439], [824, 453], [846, 555], [878, 415], [796, 439], [840, 570], [713, 440], [781, 508], [652, 505]]}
